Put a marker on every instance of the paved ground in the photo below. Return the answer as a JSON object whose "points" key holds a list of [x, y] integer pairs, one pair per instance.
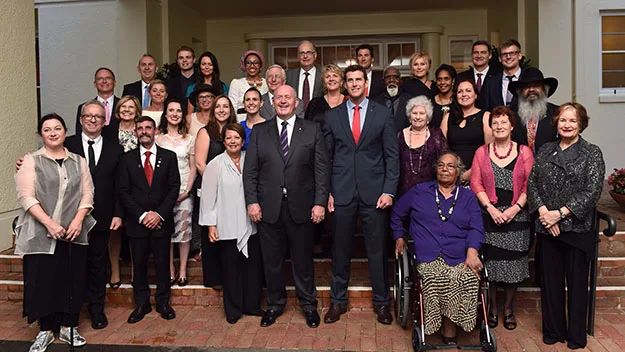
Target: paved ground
{"points": [[358, 331]]}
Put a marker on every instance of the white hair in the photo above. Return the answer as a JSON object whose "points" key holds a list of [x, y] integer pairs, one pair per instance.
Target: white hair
{"points": [[421, 100]]}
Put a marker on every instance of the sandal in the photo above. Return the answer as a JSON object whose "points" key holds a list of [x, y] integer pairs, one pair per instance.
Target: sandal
{"points": [[182, 281], [172, 281], [509, 322], [492, 320], [115, 285], [449, 340]]}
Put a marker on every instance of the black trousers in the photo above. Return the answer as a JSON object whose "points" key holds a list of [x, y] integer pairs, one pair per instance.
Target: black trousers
{"points": [[242, 277], [273, 240], [141, 248], [97, 263], [375, 228], [54, 321], [559, 262], [211, 266]]}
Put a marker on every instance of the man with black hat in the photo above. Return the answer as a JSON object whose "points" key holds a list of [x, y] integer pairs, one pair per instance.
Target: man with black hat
{"points": [[534, 125]]}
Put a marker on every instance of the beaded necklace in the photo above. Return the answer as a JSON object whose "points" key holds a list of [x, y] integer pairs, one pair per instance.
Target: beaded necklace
{"points": [[499, 156], [451, 209], [422, 150]]}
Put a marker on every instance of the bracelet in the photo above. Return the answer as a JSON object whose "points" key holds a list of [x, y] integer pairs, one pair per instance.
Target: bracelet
{"points": [[520, 206], [487, 205]]}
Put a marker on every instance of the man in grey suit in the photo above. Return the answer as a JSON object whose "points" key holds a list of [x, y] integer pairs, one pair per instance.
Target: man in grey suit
{"points": [[306, 80], [361, 139], [276, 77]]}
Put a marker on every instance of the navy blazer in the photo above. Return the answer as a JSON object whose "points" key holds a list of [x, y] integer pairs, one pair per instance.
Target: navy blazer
{"points": [[135, 90], [469, 75], [304, 173], [106, 200], [372, 166], [137, 197], [491, 95]]}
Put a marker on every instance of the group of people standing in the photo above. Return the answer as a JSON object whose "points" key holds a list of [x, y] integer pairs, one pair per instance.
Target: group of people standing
{"points": [[245, 171]]}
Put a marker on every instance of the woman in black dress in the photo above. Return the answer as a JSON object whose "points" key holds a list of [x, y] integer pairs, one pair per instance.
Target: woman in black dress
{"points": [[418, 84], [445, 79], [332, 79], [209, 144], [466, 126]]}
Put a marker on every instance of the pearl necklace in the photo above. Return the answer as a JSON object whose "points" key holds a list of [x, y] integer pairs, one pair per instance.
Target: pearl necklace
{"points": [[438, 205]]}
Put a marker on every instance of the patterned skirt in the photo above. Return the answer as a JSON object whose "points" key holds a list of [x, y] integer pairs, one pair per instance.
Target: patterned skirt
{"points": [[448, 291]]}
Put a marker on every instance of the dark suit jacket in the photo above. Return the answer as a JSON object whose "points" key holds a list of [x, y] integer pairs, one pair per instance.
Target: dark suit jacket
{"points": [[397, 106], [372, 166], [491, 95], [137, 197], [292, 79], [134, 89], [109, 131], [377, 84], [469, 75], [545, 132], [106, 200], [267, 111], [304, 173]]}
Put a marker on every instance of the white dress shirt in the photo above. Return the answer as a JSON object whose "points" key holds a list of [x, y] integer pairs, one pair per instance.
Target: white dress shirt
{"points": [[311, 82], [484, 73], [505, 82], [97, 147], [369, 76], [290, 122]]}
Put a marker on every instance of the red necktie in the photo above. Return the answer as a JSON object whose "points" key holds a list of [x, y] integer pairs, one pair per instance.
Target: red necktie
{"points": [[356, 124], [147, 168]]}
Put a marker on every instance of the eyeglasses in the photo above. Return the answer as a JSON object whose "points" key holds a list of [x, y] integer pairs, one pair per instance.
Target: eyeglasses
{"points": [[206, 97], [442, 166], [92, 117], [252, 63], [304, 53], [510, 54]]}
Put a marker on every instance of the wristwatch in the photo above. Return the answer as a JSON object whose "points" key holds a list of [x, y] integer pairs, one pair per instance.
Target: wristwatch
{"points": [[562, 216]]}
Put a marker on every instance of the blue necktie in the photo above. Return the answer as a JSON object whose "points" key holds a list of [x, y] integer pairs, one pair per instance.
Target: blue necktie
{"points": [[284, 140], [146, 97]]}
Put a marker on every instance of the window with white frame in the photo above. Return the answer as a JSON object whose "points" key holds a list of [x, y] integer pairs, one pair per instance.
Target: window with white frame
{"points": [[388, 52], [460, 50], [612, 53]]}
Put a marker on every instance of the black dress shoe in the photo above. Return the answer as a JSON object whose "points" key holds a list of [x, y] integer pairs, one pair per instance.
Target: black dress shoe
{"points": [[167, 312], [550, 340], [99, 321], [334, 314], [312, 318], [139, 313], [232, 320], [384, 314], [269, 317]]}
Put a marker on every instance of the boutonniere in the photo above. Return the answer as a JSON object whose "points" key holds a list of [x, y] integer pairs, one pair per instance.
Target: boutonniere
{"points": [[445, 109]]}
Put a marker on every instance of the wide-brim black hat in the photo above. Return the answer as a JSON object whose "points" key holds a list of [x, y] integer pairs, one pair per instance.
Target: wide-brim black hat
{"points": [[200, 89], [532, 75]]}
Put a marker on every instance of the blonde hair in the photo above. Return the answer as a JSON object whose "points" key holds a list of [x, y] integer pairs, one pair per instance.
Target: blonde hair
{"points": [[331, 68], [419, 55], [126, 98]]}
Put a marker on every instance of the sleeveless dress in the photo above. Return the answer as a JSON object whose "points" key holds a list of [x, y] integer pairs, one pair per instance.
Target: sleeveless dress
{"points": [[506, 246], [465, 140], [183, 147], [195, 125]]}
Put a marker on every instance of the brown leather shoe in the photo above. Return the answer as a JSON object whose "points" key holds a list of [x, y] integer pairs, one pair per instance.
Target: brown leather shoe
{"points": [[384, 314], [334, 314]]}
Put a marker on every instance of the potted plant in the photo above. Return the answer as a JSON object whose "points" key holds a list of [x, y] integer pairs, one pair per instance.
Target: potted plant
{"points": [[617, 181]]}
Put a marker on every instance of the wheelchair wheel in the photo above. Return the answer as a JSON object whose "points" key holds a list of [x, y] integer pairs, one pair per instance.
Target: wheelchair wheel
{"points": [[417, 340], [488, 346], [402, 289]]}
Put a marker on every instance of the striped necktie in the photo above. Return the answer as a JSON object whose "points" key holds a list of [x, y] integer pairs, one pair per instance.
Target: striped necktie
{"points": [[284, 140]]}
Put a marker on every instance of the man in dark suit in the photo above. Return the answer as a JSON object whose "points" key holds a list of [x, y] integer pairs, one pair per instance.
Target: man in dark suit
{"points": [[306, 80], [394, 98], [534, 114], [104, 83], [480, 72], [149, 184], [286, 181], [103, 155], [365, 56], [362, 140], [276, 77], [495, 92], [147, 69]]}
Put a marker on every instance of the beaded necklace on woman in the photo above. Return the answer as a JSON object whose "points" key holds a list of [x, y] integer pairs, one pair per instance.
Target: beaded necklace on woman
{"points": [[421, 151], [451, 209]]}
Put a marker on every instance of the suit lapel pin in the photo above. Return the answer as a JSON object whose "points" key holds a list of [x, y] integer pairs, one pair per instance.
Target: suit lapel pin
{"points": [[299, 129], [158, 163]]}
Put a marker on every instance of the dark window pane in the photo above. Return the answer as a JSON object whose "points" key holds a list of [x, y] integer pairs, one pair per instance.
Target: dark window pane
{"points": [[613, 42], [279, 57], [343, 56], [613, 24], [329, 55], [613, 61], [393, 55], [292, 58], [406, 51], [614, 79]]}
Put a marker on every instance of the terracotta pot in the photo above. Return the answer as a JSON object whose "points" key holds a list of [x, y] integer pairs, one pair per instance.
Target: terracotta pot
{"points": [[618, 198]]}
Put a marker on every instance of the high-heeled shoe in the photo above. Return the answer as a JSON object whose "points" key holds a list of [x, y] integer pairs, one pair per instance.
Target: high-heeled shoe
{"points": [[492, 320], [172, 281], [182, 281], [115, 285]]}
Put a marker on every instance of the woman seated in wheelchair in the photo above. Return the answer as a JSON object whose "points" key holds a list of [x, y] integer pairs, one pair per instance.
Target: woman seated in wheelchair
{"points": [[446, 225]]}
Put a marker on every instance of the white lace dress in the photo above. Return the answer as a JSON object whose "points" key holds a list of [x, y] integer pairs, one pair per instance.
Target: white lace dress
{"points": [[183, 147]]}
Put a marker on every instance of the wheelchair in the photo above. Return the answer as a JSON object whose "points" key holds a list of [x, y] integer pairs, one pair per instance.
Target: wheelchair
{"points": [[407, 292]]}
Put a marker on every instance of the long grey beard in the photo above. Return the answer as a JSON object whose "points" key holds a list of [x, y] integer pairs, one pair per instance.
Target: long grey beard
{"points": [[529, 109]]}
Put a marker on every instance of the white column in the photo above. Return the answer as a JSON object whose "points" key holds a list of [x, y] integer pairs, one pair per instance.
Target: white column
{"points": [[431, 43]]}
